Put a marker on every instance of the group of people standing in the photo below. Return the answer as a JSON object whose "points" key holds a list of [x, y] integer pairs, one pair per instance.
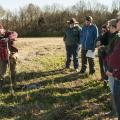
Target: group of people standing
{"points": [[75, 37], [108, 44]]}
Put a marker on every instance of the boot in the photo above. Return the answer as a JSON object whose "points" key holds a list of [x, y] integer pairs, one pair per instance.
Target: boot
{"points": [[1, 84], [113, 105]]}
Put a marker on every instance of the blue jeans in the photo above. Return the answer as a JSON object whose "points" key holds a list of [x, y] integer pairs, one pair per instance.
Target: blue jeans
{"points": [[116, 94], [111, 83], [72, 50]]}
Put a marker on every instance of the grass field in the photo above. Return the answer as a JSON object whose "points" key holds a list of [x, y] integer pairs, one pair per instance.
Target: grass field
{"points": [[47, 91]]}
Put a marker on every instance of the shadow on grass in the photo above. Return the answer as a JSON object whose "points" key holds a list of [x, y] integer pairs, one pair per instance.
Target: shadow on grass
{"points": [[54, 80], [58, 107], [53, 103], [32, 75]]}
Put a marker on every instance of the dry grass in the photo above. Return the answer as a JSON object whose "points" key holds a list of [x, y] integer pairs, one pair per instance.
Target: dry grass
{"points": [[50, 92]]}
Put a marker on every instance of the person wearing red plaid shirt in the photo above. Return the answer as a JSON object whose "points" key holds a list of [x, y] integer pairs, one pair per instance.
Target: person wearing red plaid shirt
{"points": [[7, 54]]}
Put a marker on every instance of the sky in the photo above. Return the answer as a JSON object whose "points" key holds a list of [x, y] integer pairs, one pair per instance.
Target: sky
{"points": [[16, 4]]}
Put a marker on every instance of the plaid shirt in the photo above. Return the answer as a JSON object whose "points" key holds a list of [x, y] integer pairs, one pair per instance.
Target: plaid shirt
{"points": [[3, 48]]}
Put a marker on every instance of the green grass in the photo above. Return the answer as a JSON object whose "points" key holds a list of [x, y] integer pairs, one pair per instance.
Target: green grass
{"points": [[60, 95]]}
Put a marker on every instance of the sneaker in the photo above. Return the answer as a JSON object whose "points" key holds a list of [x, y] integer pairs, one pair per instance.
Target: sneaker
{"points": [[77, 70]]}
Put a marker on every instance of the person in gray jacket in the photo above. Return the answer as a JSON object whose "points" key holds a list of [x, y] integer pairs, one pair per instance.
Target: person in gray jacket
{"points": [[72, 42]]}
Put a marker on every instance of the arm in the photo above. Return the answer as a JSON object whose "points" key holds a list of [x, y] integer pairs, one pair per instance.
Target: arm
{"points": [[81, 36], [64, 37], [114, 58], [95, 34], [79, 32]]}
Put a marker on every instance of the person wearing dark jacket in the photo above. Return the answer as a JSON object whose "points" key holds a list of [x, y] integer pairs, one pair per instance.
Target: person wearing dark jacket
{"points": [[102, 43], [113, 61], [110, 48], [88, 38], [72, 43]]}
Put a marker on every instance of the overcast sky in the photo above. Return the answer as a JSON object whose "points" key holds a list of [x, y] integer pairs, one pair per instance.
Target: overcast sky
{"points": [[16, 4]]}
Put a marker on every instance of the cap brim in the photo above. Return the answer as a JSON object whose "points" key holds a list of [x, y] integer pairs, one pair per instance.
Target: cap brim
{"points": [[74, 22], [67, 21]]}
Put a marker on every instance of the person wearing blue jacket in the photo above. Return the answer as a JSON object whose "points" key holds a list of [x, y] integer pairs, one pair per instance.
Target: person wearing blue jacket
{"points": [[88, 38], [72, 42]]}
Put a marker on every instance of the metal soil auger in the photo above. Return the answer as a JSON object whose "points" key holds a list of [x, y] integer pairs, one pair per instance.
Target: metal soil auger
{"points": [[11, 37], [11, 84]]}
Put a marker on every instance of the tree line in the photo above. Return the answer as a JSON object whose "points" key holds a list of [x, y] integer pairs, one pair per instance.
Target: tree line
{"points": [[32, 21]]}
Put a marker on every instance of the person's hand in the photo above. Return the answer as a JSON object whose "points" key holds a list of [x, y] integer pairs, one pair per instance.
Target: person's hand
{"points": [[101, 46], [80, 46], [109, 74], [5, 39], [98, 43], [14, 56]]}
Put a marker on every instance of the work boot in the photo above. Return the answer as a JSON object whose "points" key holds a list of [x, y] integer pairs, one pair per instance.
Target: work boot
{"points": [[1, 84], [76, 70], [92, 72], [82, 72]]}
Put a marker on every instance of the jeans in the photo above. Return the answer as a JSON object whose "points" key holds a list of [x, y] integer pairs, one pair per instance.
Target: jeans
{"points": [[84, 62], [103, 66], [72, 50], [111, 83], [116, 94]]}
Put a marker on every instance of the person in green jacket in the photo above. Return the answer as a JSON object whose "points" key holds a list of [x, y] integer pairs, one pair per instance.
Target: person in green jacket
{"points": [[72, 43]]}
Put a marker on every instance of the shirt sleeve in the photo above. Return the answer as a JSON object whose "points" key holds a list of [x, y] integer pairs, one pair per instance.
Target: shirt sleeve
{"points": [[114, 59]]}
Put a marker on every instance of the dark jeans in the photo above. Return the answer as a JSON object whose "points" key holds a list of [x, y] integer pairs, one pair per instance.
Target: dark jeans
{"points": [[116, 94], [72, 50], [103, 67], [84, 62]]}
